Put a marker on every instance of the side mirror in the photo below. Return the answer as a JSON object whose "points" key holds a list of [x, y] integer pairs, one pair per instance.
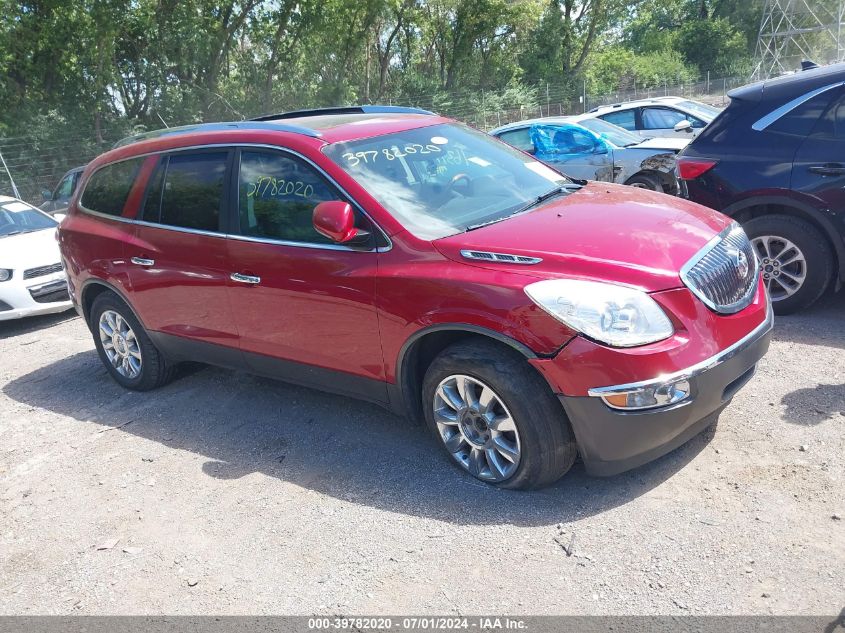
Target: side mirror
{"points": [[336, 220], [683, 126], [46, 194]]}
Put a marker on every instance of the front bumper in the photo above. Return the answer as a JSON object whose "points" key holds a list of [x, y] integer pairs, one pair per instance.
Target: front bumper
{"points": [[612, 441], [44, 295]]}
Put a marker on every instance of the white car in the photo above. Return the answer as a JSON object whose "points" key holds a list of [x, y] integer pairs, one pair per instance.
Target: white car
{"points": [[661, 116], [32, 280]]}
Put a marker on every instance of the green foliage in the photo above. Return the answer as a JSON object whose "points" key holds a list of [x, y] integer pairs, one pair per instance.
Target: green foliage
{"points": [[94, 70]]}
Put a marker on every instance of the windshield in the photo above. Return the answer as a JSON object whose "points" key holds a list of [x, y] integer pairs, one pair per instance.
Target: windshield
{"points": [[443, 179], [18, 217], [613, 133], [701, 109]]}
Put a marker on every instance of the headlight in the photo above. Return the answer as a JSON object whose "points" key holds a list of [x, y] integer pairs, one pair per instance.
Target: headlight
{"points": [[618, 316], [5, 274]]}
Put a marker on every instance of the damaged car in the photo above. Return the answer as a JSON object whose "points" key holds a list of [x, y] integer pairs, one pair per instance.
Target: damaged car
{"points": [[603, 152]]}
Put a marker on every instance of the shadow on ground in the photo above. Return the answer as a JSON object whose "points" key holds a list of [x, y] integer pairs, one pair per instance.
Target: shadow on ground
{"points": [[337, 446], [814, 405], [34, 323]]}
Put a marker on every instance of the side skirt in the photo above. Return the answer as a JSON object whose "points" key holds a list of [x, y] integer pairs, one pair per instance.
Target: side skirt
{"points": [[180, 349]]}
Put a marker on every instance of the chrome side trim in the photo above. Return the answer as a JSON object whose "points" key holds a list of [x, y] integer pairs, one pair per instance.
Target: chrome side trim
{"points": [[764, 122], [699, 368], [238, 236], [502, 258]]}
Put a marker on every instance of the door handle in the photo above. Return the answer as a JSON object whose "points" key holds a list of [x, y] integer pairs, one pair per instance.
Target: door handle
{"points": [[245, 279], [140, 261], [830, 169]]}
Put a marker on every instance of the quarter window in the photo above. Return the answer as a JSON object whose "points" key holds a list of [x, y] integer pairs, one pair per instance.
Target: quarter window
{"points": [[625, 119], [832, 124], [800, 120], [192, 193], [277, 195], [108, 189]]}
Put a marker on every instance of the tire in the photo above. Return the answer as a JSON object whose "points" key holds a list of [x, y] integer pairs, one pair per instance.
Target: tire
{"points": [[542, 436], [151, 370], [777, 240], [645, 181]]}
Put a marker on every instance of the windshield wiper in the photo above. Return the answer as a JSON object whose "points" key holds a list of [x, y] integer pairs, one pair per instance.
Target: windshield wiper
{"points": [[565, 188]]}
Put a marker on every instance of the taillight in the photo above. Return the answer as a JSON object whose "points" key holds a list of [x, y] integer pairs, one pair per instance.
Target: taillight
{"points": [[692, 168]]}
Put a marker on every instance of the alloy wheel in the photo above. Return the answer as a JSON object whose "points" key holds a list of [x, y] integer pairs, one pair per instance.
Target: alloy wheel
{"points": [[477, 428], [782, 264], [120, 344]]}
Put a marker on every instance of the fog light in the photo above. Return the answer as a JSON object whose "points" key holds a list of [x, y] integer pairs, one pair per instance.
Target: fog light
{"points": [[655, 395]]}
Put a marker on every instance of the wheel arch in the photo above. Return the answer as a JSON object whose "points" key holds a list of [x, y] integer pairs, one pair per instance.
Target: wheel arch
{"points": [[424, 345], [93, 288], [666, 179], [769, 205]]}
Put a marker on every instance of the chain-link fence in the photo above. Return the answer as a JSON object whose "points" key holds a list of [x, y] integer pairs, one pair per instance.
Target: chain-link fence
{"points": [[37, 159]]}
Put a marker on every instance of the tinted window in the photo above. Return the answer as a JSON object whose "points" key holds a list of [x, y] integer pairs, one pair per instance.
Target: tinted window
{"points": [[520, 139], [832, 124], [663, 118], [625, 119], [277, 195], [108, 188], [801, 119], [193, 190]]}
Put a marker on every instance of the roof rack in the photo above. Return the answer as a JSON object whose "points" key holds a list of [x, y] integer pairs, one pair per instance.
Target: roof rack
{"points": [[364, 109], [216, 127]]}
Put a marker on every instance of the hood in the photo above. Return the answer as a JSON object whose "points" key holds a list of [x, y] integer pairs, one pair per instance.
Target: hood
{"points": [[29, 250], [675, 144], [602, 232]]}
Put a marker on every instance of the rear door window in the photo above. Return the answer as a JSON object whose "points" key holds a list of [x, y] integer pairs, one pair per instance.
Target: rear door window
{"points": [[187, 191], [108, 188]]}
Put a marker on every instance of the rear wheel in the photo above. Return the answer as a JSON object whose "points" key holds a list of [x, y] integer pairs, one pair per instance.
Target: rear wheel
{"points": [[496, 417], [795, 260], [124, 346]]}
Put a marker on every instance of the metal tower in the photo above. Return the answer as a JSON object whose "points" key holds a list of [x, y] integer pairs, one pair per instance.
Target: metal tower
{"points": [[795, 30]]}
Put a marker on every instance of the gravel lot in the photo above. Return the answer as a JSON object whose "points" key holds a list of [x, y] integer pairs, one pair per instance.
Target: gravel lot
{"points": [[229, 494]]}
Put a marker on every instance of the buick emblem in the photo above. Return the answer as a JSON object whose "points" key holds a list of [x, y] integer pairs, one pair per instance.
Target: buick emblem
{"points": [[741, 261]]}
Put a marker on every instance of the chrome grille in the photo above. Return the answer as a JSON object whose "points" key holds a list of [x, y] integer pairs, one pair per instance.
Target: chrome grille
{"points": [[41, 271], [724, 273]]}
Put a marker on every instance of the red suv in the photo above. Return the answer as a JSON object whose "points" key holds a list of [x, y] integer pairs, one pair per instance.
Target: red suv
{"points": [[396, 256]]}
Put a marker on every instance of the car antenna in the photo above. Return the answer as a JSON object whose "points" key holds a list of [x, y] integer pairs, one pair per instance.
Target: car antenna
{"points": [[11, 180], [807, 64], [162, 121]]}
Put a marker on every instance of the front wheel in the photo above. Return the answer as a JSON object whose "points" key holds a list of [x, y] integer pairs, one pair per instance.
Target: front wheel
{"points": [[795, 260], [496, 417]]}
